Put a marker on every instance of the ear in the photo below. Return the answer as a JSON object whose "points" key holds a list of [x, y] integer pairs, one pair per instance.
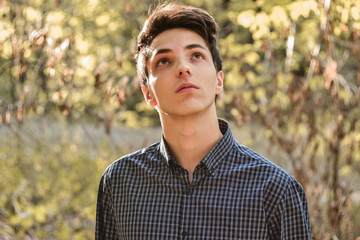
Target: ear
{"points": [[148, 95], [219, 82]]}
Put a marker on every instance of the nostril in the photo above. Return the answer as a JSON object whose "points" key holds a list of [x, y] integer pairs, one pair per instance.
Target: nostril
{"points": [[182, 73]]}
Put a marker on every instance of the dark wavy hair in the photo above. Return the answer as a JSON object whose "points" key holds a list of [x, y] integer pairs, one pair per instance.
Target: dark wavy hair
{"points": [[168, 16]]}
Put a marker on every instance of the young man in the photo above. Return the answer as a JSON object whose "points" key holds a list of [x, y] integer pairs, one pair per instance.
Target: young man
{"points": [[198, 182]]}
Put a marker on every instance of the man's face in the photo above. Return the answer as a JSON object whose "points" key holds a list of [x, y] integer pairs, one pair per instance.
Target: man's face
{"points": [[182, 76]]}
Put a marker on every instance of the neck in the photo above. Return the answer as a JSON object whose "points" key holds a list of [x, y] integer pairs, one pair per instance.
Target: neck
{"points": [[191, 138]]}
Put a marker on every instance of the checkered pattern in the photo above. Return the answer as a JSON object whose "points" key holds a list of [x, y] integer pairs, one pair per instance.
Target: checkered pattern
{"points": [[235, 194]]}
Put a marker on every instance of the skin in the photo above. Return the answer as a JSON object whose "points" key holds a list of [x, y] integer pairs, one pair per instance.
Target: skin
{"points": [[182, 86]]}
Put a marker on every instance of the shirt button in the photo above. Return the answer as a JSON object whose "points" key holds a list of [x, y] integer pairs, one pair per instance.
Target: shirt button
{"points": [[188, 191], [184, 234]]}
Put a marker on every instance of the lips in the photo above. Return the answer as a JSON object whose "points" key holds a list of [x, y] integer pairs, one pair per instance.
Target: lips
{"points": [[186, 87]]}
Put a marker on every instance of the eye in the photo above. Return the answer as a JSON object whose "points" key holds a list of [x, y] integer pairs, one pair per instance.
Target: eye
{"points": [[162, 62], [197, 56]]}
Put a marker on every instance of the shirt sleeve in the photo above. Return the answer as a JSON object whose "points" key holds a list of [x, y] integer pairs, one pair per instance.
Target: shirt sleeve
{"points": [[105, 227], [290, 219]]}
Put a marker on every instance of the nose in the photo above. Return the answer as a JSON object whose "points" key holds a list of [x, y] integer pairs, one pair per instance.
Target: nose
{"points": [[183, 69]]}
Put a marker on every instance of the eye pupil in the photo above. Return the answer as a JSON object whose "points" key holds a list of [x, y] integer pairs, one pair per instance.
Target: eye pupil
{"points": [[197, 56], [163, 61]]}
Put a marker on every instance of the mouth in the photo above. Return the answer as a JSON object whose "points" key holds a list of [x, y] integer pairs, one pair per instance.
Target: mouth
{"points": [[186, 87]]}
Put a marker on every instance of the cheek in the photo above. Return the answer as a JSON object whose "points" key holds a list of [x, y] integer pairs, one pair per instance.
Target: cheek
{"points": [[153, 83], [157, 87], [161, 81], [211, 75]]}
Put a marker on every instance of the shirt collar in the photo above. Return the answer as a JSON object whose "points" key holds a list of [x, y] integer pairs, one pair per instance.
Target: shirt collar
{"points": [[214, 158]]}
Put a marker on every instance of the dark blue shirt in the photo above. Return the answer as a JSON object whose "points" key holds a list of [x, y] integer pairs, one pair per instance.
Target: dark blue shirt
{"points": [[235, 194]]}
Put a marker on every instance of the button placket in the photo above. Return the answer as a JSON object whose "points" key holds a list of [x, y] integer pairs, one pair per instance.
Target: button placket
{"points": [[187, 192]]}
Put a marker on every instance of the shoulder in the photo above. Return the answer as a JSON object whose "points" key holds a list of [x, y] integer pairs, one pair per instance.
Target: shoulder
{"points": [[270, 175], [132, 161], [276, 183]]}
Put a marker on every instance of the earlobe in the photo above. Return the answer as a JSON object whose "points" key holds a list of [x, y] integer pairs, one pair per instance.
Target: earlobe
{"points": [[148, 96], [219, 82]]}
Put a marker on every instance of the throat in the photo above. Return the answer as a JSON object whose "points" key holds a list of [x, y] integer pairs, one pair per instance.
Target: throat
{"points": [[191, 138], [190, 151]]}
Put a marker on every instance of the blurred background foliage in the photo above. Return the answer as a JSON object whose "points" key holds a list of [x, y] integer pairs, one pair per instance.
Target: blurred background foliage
{"points": [[292, 77]]}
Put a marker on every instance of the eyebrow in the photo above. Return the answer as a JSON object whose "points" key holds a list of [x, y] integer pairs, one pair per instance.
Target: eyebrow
{"points": [[188, 47]]}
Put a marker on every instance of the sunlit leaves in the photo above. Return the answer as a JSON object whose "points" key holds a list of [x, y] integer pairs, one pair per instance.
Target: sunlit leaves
{"points": [[279, 17], [57, 53], [246, 18], [6, 29], [303, 9], [251, 58], [257, 23], [102, 20], [55, 17]]}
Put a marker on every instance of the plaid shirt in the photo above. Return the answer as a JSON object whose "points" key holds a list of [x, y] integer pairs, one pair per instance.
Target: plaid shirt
{"points": [[235, 194]]}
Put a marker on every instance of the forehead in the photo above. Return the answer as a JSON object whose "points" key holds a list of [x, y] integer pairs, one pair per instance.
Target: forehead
{"points": [[176, 39]]}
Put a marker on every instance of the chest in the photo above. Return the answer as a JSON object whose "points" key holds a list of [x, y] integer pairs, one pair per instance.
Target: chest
{"points": [[166, 206]]}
